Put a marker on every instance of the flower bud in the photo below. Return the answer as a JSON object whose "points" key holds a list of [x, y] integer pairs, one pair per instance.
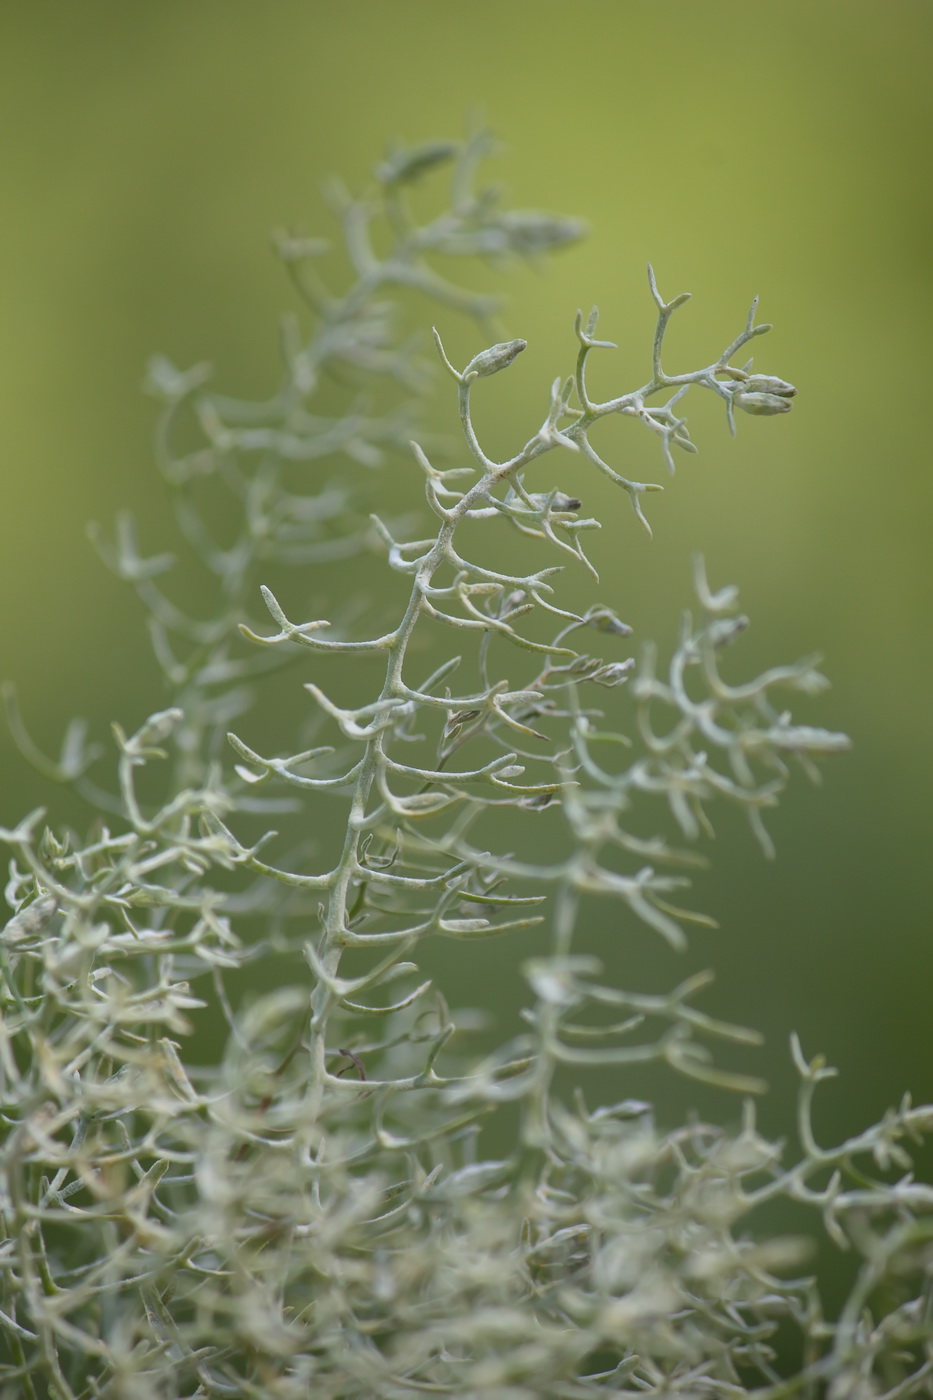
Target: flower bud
{"points": [[614, 673], [761, 404], [156, 728], [31, 919], [537, 801], [557, 499], [725, 630], [768, 384], [402, 167], [495, 358], [527, 231], [606, 621]]}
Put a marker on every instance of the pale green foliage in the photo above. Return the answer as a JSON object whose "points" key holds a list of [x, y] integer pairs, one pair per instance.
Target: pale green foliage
{"points": [[307, 1216]]}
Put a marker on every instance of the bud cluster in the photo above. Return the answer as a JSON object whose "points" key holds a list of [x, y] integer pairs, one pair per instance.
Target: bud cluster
{"points": [[761, 394]]}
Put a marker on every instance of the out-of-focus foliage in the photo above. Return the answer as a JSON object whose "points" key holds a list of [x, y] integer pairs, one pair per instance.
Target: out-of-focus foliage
{"points": [[313, 1213]]}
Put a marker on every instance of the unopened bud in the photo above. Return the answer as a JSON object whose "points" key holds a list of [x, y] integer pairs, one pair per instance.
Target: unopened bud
{"points": [[156, 728], [768, 384], [401, 167], [31, 920], [614, 673], [495, 358], [606, 621], [537, 802], [761, 404], [528, 231], [555, 500], [295, 248], [725, 630]]}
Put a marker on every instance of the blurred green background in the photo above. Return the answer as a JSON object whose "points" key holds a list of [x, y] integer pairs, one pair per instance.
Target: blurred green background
{"points": [[780, 150]]}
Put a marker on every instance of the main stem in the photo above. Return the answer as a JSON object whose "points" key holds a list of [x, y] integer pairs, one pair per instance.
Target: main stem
{"points": [[349, 866]]}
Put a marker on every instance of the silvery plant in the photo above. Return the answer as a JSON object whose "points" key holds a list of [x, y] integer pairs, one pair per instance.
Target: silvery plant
{"points": [[304, 1205]]}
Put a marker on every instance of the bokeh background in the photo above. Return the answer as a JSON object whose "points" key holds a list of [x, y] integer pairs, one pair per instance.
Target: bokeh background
{"points": [[781, 150]]}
